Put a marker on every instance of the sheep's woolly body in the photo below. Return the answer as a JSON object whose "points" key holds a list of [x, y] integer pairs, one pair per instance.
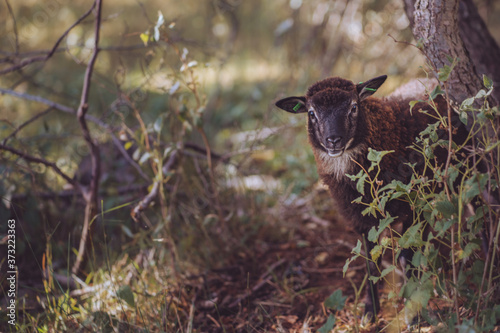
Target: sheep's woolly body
{"points": [[344, 121], [385, 124]]}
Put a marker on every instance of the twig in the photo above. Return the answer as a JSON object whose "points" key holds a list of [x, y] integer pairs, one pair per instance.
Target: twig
{"points": [[28, 61], [263, 280], [189, 328], [39, 99], [27, 122], [144, 203], [90, 196], [127, 157], [91, 118], [34, 159], [16, 34]]}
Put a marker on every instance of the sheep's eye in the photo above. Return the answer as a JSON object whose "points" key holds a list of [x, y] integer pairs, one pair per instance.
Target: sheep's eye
{"points": [[354, 108], [311, 115]]}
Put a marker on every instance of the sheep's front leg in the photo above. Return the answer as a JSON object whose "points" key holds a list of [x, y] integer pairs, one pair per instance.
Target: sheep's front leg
{"points": [[372, 302]]}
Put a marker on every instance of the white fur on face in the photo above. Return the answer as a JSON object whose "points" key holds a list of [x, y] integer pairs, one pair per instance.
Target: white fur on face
{"points": [[338, 166]]}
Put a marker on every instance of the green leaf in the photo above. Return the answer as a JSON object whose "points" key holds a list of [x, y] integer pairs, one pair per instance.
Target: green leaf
{"points": [[125, 293], [335, 301], [376, 252], [444, 73], [463, 117], [328, 326], [467, 251], [355, 177], [357, 249], [376, 156], [387, 271], [421, 296], [374, 233], [467, 102], [475, 186], [488, 83], [419, 259], [371, 209], [481, 94], [412, 104], [411, 237], [347, 263], [436, 92], [446, 208], [360, 185]]}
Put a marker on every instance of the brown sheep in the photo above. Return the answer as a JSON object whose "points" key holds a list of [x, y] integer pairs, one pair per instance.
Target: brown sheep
{"points": [[343, 122]]}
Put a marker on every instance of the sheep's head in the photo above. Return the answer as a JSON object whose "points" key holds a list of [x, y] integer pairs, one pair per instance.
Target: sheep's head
{"points": [[334, 111]]}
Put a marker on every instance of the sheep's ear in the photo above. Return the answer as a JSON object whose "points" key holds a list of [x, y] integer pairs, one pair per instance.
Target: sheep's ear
{"points": [[369, 87], [292, 104]]}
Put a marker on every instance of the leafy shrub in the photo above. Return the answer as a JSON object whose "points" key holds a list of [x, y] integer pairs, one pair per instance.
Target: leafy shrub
{"points": [[455, 231]]}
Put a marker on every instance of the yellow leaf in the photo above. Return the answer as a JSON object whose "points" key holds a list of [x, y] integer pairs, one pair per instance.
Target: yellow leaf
{"points": [[128, 145], [145, 38]]}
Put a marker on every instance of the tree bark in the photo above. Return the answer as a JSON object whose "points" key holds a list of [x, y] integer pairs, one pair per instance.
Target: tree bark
{"points": [[453, 28]]}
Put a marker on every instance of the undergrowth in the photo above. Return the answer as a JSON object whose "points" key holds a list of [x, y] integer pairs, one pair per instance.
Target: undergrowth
{"points": [[454, 276]]}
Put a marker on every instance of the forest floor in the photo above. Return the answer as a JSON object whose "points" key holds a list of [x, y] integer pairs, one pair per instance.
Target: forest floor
{"points": [[278, 283], [282, 286]]}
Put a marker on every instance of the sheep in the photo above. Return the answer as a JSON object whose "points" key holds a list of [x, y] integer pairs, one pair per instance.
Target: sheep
{"points": [[344, 120]]}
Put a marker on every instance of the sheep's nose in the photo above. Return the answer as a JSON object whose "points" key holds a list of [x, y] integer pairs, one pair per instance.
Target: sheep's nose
{"points": [[334, 140]]}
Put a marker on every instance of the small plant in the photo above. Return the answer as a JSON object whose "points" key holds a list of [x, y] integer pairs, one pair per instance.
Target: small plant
{"points": [[335, 302], [453, 274]]}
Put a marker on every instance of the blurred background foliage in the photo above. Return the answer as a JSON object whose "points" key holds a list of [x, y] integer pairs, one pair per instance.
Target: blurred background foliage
{"points": [[217, 65]]}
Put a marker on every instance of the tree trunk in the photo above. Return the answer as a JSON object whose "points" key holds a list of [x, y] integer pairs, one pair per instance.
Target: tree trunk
{"points": [[453, 28]]}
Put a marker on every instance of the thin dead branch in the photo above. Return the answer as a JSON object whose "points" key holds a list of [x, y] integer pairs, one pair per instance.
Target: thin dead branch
{"points": [[34, 159], [26, 123], [25, 62], [90, 196], [91, 118], [16, 34], [146, 201]]}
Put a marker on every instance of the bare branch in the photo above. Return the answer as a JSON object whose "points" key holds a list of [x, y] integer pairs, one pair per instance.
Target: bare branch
{"points": [[91, 196], [34, 159], [38, 99], [16, 34], [28, 61], [91, 118], [144, 203], [26, 123]]}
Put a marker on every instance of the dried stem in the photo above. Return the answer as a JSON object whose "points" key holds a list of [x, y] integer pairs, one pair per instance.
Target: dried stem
{"points": [[16, 34], [45, 57], [26, 123], [90, 196], [34, 159]]}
